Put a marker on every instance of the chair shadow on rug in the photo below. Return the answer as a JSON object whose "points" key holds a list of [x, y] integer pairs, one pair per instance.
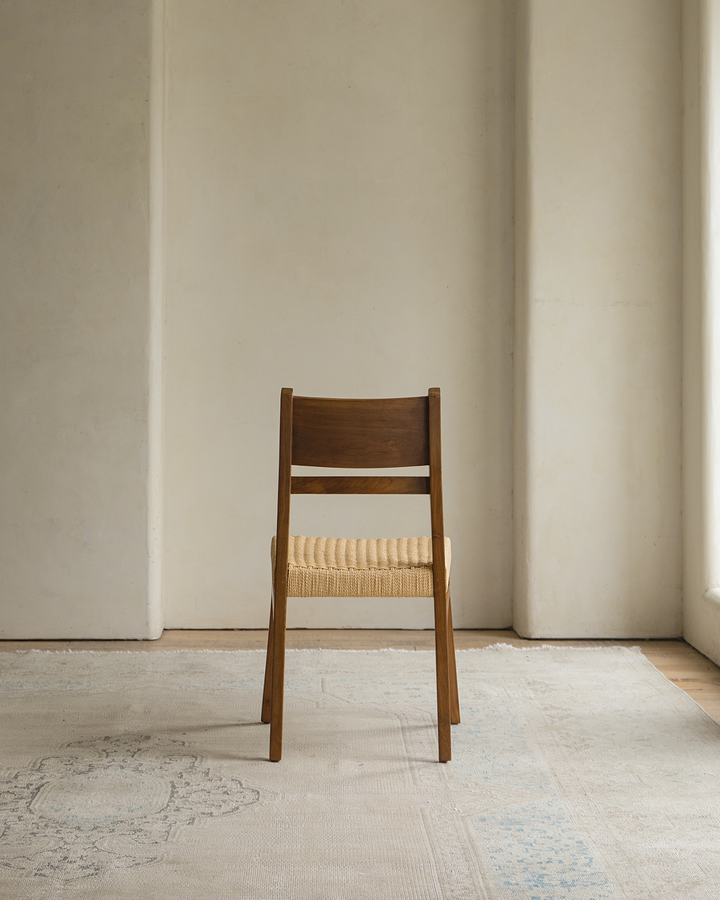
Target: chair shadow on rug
{"points": [[368, 434], [213, 731]]}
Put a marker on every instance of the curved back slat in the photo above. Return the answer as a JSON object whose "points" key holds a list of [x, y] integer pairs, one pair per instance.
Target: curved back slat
{"points": [[368, 434]]}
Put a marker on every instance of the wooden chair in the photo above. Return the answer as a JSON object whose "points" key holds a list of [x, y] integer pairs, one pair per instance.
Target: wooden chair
{"points": [[360, 434]]}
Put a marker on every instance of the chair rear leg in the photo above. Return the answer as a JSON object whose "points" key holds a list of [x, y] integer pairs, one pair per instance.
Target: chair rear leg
{"points": [[278, 678], [454, 697], [267, 686]]}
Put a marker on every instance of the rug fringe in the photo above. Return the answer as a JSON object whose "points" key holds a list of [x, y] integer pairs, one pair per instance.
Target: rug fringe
{"points": [[635, 649]]}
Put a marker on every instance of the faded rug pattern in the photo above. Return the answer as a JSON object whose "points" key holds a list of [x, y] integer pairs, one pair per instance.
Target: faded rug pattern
{"points": [[578, 774], [108, 803]]}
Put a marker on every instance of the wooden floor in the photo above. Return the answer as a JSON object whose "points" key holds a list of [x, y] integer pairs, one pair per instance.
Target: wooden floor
{"points": [[678, 661]]}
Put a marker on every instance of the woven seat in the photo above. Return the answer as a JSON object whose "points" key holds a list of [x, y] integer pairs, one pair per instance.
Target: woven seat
{"points": [[362, 567]]}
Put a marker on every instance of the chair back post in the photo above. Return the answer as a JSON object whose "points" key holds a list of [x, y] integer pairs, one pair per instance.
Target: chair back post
{"points": [[284, 481], [275, 668], [440, 592], [436, 498]]}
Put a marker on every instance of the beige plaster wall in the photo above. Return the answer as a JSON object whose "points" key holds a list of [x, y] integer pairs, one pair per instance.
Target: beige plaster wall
{"points": [[339, 220], [74, 319], [598, 327]]}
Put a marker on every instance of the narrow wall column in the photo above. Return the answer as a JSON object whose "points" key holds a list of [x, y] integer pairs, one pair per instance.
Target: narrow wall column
{"points": [[597, 347], [75, 324]]}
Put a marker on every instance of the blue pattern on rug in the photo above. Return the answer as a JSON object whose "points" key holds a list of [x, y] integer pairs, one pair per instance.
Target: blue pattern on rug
{"points": [[534, 849]]}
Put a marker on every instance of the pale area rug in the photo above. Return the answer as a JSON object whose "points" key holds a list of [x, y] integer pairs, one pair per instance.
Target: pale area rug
{"points": [[579, 774]]}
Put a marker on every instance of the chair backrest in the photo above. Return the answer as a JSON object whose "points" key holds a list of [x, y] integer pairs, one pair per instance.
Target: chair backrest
{"points": [[372, 434], [351, 434], [316, 431]]}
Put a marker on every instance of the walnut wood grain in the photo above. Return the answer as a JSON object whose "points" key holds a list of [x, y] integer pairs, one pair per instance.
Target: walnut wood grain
{"points": [[360, 434]]}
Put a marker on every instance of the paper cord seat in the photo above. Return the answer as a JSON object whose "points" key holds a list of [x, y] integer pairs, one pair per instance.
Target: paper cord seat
{"points": [[361, 567]]}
